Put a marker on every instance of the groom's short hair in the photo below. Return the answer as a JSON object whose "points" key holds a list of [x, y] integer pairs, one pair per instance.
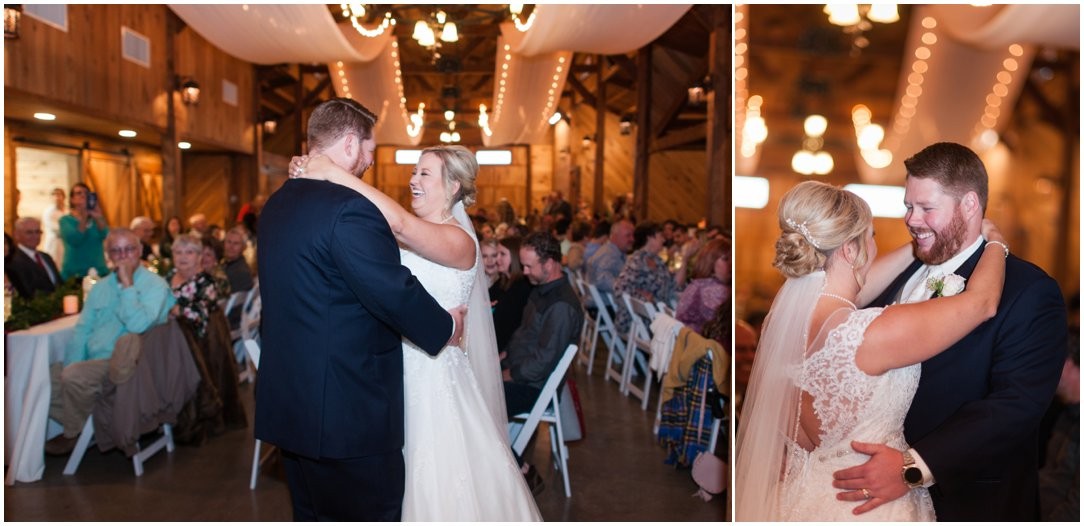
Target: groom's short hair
{"points": [[337, 117], [954, 166]]}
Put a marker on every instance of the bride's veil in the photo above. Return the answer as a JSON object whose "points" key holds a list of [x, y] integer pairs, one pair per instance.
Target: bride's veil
{"points": [[769, 414], [479, 338]]}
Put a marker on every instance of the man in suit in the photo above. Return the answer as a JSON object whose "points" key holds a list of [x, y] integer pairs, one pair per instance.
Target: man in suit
{"points": [[30, 270], [336, 305], [973, 423]]}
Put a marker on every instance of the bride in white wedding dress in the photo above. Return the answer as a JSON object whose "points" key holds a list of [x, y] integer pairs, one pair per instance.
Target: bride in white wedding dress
{"points": [[459, 466], [827, 373]]}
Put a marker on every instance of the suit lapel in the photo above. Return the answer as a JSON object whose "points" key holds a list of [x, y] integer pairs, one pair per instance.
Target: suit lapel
{"points": [[968, 266]]}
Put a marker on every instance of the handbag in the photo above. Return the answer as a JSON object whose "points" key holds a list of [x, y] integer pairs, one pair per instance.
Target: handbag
{"points": [[709, 471]]}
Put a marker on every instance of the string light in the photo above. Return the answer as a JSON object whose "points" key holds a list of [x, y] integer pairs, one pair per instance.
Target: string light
{"points": [[985, 130], [908, 107], [355, 12]]}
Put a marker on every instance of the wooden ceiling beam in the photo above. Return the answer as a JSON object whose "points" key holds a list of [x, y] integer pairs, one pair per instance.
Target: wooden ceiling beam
{"points": [[588, 97]]}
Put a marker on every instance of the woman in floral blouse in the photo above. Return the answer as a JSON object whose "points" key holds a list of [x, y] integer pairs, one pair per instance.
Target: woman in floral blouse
{"points": [[710, 285], [195, 290], [645, 275]]}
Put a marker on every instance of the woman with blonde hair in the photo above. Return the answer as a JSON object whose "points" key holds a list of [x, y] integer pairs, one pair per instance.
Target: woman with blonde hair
{"points": [[459, 466], [827, 373]]}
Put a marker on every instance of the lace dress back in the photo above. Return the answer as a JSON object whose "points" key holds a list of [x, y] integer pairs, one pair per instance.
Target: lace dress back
{"points": [[851, 405], [458, 466]]}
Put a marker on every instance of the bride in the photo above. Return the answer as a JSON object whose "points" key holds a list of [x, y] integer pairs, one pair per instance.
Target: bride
{"points": [[827, 373], [459, 466]]}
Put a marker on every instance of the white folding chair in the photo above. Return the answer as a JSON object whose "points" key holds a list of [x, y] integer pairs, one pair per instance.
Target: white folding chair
{"points": [[546, 409], [86, 439], [605, 327], [639, 346], [252, 350], [665, 308], [587, 352], [248, 329]]}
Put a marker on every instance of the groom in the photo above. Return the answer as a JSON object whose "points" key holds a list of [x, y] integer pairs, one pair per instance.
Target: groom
{"points": [[973, 423], [336, 302]]}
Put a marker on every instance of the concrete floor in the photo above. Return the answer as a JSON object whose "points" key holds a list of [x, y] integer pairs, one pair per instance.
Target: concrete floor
{"points": [[617, 474]]}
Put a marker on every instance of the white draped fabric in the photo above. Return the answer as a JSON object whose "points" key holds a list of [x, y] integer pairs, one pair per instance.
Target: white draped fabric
{"points": [[963, 66], [594, 28], [279, 33]]}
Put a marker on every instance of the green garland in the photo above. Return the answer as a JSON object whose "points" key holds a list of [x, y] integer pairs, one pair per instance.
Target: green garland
{"points": [[26, 312]]}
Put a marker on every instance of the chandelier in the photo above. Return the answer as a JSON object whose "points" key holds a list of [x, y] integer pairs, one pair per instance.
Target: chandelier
{"points": [[425, 31], [811, 159], [856, 19]]}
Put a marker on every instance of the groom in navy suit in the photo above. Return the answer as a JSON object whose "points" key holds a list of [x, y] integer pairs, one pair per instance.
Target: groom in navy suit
{"points": [[336, 303], [973, 424]]}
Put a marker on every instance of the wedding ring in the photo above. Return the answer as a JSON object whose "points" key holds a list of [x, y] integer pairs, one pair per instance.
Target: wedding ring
{"points": [[865, 493]]}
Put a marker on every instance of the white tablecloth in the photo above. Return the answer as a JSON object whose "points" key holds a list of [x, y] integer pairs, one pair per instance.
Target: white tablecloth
{"points": [[26, 395]]}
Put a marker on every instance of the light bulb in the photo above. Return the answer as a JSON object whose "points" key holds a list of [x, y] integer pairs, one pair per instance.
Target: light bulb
{"points": [[815, 125]]}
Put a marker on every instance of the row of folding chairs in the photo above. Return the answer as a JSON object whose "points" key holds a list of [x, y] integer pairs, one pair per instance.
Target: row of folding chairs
{"points": [[629, 354]]}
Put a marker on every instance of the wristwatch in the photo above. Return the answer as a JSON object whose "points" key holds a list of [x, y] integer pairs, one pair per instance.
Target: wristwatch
{"points": [[912, 475]]}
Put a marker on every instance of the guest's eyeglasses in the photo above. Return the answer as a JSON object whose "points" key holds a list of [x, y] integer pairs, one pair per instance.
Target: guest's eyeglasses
{"points": [[119, 251]]}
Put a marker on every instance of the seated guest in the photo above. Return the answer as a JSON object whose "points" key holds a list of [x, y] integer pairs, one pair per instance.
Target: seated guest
{"points": [[489, 260], [143, 227], [211, 254], [130, 300], [560, 230], [645, 275], [605, 265], [573, 258], [199, 225], [551, 321], [173, 229], [195, 289], [509, 294], [709, 287], [595, 239], [29, 269], [234, 265]]}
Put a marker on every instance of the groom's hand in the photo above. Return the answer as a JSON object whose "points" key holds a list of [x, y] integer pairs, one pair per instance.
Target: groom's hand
{"points": [[458, 315], [881, 476]]}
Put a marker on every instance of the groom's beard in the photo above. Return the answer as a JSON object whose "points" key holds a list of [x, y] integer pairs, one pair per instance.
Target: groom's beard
{"points": [[946, 243]]}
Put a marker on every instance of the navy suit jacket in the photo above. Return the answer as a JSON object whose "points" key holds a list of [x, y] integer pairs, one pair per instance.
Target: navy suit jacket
{"points": [[975, 417], [335, 303], [27, 276]]}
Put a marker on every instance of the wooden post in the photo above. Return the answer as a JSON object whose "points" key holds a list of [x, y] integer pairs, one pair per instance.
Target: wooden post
{"points": [[643, 132], [720, 100], [171, 155], [600, 135]]}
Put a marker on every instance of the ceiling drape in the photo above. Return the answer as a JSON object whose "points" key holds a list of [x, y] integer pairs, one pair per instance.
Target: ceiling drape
{"points": [[970, 52]]}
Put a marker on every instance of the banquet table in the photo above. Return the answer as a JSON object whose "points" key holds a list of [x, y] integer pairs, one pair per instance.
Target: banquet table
{"points": [[28, 354]]}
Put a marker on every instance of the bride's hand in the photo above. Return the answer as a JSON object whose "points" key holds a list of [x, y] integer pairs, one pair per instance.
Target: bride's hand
{"points": [[297, 166], [991, 232]]}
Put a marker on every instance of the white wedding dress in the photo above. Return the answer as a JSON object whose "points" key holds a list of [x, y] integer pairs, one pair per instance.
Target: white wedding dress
{"points": [[851, 405], [459, 466]]}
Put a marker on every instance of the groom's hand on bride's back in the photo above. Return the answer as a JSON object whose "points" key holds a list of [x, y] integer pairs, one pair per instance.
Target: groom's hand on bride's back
{"points": [[458, 315], [881, 476]]}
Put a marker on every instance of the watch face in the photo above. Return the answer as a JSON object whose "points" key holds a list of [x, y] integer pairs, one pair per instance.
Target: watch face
{"points": [[912, 475]]}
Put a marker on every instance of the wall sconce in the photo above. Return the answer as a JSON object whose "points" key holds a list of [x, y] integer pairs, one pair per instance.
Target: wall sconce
{"points": [[189, 89], [269, 126], [587, 140], [13, 15], [698, 92], [625, 125]]}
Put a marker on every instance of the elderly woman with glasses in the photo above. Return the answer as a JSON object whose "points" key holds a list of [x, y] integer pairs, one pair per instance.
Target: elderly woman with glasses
{"points": [[196, 291]]}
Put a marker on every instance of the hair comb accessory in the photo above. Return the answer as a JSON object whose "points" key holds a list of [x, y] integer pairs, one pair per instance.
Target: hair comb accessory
{"points": [[801, 228]]}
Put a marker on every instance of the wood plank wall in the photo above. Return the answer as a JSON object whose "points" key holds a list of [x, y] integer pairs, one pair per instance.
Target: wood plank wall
{"points": [[677, 179], [231, 127], [71, 68]]}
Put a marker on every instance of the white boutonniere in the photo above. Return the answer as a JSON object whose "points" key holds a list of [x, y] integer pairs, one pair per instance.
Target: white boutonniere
{"points": [[945, 286]]}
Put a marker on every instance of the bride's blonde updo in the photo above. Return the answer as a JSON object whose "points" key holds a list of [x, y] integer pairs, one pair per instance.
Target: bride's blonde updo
{"points": [[460, 166], [816, 219]]}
